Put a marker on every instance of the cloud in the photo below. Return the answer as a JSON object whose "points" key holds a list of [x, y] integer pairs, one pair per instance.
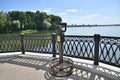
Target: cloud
{"points": [[81, 10], [90, 19], [47, 10], [109, 17], [87, 19], [111, 20], [91, 16], [34, 11], [71, 10], [63, 14]]}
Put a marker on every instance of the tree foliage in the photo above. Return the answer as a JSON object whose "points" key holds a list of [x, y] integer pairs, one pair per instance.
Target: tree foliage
{"points": [[19, 20]]}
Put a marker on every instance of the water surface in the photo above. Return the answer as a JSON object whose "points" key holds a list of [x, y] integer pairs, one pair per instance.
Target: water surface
{"points": [[103, 31]]}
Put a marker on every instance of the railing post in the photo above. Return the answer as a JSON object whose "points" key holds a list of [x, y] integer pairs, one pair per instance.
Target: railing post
{"points": [[22, 43], [53, 44], [96, 50]]}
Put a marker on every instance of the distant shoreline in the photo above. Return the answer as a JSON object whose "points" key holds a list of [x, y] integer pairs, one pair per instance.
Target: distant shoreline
{"points": [[93, 25]]}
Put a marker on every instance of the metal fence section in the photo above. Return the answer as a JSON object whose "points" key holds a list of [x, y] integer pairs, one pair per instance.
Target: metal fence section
{"points": [[98, 48], [109, 50], [38, 43], [10, 43], [79, 46]]}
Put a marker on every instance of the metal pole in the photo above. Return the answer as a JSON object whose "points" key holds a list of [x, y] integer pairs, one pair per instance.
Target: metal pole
{"points": [[96, 52], [22, 43], [60, 47], [53, 44]]}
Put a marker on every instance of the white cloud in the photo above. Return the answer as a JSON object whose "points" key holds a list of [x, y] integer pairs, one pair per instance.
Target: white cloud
{"points": [[93, 19], [91, 16], [63, 14], [109, 17], [111, 20], [47, 10], [34, 11], [71, 10], [88, 19], [81, 10]]}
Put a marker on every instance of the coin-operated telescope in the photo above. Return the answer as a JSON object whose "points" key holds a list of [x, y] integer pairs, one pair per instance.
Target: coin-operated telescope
{"points": [[61, 28], [61, 66]]}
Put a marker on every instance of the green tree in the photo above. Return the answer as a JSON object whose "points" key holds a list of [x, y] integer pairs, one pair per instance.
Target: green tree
{"points": [[17, 15], [54, 19], [46, 24], [2, 20], [18, 20], [3, 16], [29, 22], [7, 26], [1, 25], [15, 26]]}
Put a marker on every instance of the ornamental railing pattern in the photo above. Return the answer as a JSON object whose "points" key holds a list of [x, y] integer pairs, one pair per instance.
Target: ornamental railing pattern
{"points": [[79, 46], [98, 48], [38, 43], [109, 50], [11, 43]]}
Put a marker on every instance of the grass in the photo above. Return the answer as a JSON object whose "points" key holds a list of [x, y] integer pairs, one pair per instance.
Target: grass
{"points": [[36, 32], [30, 32]]}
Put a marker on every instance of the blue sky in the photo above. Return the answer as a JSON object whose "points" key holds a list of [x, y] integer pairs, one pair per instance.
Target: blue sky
{"points": [[71, 11]]}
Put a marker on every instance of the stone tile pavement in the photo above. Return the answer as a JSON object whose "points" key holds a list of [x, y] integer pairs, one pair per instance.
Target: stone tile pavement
{"points": [[32, 67]]}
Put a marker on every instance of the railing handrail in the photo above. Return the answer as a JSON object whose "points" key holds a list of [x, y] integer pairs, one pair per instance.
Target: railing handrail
{"points": [[78, 36], [110, 37]]}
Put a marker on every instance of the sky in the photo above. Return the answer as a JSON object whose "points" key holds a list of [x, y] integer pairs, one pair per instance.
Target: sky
{"points": [[71, 11]]}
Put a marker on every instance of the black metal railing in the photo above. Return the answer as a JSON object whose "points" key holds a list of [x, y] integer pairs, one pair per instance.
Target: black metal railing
{"points": [[98, 48], [79, 46], [38, 43], [11, 43], [109, 50]]}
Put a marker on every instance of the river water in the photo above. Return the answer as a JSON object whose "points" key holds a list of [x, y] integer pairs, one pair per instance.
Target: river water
{"points": [[90, 31]]}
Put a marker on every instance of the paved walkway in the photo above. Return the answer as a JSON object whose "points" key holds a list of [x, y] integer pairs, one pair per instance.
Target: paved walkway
{"points": [[32, 67]]}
